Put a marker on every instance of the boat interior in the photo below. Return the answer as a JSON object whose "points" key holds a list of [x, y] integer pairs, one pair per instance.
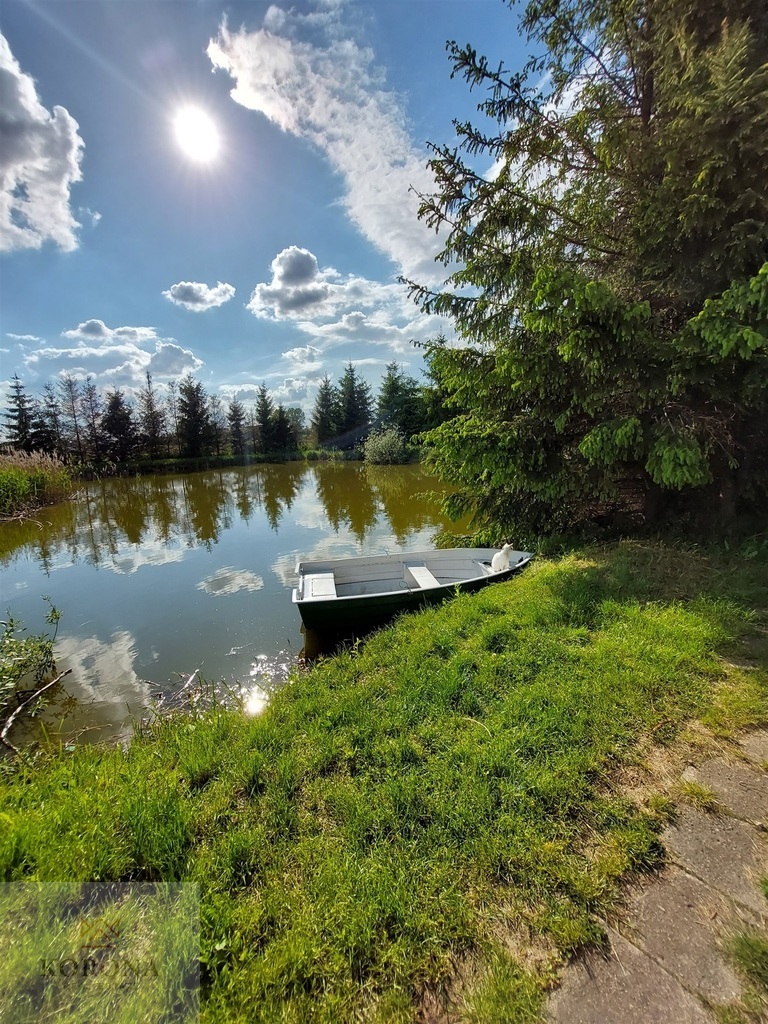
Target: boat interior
{"points": [[386, 577]]}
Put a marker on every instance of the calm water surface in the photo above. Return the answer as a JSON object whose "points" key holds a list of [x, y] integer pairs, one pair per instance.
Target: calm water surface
{"points": [[161, 576]]}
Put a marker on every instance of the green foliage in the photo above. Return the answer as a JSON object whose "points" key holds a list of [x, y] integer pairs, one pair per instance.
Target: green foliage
{"points": [[324, 413], [353, 401], [194, 418], [749, 951], [121, 435], [18, 416], [24, 658], [400, 403], [236, 421], [611, 290], [386, 447], [341, 410]]}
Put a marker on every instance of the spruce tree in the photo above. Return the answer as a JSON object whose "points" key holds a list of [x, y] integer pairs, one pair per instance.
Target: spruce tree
{"points": [[194, 421], [264, 410], [611, 279], [121, 435], [18, 416], [236, 423], [323, 424], [151, 417]]}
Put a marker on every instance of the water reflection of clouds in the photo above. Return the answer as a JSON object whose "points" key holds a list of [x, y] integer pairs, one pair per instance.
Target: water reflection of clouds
{"points": [[131, 559], [109, 694], [229, 580]]}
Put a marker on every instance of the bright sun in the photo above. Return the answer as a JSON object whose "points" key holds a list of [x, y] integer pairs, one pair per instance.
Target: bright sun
{"points": [[196, 134]]}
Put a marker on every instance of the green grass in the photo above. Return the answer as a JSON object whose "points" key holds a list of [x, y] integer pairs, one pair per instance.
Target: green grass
{"points": [[698, 796], [440, 796], [749, 952]]}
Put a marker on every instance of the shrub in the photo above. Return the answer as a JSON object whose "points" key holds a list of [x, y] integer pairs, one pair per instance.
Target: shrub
{"points": [[386, 447]]}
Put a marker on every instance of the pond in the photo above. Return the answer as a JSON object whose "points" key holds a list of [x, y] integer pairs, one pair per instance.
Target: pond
{"points": [[159, 577]]}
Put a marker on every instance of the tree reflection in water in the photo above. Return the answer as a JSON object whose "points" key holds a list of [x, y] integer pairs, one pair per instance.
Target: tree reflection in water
{"points": [[194, 509]]}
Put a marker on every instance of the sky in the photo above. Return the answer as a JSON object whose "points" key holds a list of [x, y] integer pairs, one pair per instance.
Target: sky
{"points": [[225, 189]]}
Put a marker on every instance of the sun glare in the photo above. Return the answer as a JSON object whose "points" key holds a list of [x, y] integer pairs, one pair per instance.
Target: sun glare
{"points": [[196, 134]]}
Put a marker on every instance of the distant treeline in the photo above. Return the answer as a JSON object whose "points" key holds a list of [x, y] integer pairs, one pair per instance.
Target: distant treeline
{"points": [[83, 425]]}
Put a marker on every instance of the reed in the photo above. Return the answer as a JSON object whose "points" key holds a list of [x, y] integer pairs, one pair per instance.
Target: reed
{"points": [[31, 479]]}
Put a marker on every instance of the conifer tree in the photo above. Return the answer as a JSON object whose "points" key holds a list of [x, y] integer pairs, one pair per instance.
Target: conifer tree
{"points": [[90, 401], [194, 421], [353, 401], [151, 417], [236, 422], [121, 435], [18, 416], [611, 279], [71, 415], [264, 410], [323, 424]]}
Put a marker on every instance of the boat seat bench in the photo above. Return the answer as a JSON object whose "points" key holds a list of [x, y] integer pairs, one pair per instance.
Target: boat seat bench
{"points": [[319, 585], [422, 575]]}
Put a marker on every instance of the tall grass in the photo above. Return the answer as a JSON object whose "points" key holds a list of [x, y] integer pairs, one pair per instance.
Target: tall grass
{"points": [[31, 479], [437, 804]]}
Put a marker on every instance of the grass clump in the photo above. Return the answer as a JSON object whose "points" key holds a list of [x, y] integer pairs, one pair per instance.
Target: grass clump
{"points": [[441, 795], [698, 796], [749, 953], [31, 479]]}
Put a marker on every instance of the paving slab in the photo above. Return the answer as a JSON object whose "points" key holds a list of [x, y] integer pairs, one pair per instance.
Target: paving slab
{"points": [[626, 987], [680, 922], [725, 853], [755, 746], [740, 789]]}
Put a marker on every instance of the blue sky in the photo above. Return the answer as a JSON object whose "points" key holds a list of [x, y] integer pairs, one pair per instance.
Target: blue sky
{"points": [[273, 259]]}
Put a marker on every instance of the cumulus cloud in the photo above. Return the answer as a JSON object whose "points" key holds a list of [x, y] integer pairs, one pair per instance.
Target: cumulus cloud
{"points": [[23, 337], [300, 288], [358, 328], [197, 296], [40, 154], [331, 95], [119, 355], [305, 360], [297, 286]]}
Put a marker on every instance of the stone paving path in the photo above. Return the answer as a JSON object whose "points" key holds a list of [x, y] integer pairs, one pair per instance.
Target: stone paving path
{"points": [[665, 964]]}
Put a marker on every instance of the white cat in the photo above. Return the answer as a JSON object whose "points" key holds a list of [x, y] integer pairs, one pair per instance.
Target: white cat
{"points": [[500, 560]]}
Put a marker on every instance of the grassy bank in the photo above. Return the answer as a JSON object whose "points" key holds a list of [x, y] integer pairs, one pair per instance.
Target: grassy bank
{"points": [[29, 480], [439, 810]]}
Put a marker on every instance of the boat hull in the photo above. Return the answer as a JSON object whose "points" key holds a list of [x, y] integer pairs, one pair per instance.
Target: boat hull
{"points": [[364, 611]]}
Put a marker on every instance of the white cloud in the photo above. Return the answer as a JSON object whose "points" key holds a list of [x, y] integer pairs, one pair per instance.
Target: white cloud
{"points": [[247, 392], [120, 355], [292, 390], [300, 288], [332, 96], [297, 287], [197, 296], [40, 156], [358, 328], [23, 337], [170, 360]]}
